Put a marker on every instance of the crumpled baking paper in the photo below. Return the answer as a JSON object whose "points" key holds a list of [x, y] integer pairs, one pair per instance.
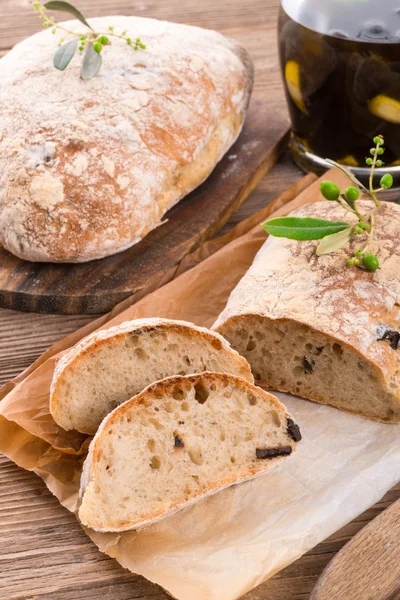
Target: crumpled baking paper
{"points": [[225, 545]]}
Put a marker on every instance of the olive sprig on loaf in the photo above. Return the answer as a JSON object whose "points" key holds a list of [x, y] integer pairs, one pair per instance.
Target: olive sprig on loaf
{"points": [[91, 43], [336, 234], [312, 327]]}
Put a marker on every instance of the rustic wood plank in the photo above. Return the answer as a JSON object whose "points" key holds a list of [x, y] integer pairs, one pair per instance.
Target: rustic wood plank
{"points": [[17, 19], [368, 566]]}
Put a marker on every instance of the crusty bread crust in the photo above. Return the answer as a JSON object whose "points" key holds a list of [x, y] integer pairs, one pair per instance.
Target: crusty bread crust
{"points": [[112, 336], [90, 167], [288, 282], [147, 397]]}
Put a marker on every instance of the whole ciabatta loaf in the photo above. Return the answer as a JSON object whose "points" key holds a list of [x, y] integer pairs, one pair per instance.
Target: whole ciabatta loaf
{"points": [[313, 326], [88, 168], [181, 439], [110, 366]]}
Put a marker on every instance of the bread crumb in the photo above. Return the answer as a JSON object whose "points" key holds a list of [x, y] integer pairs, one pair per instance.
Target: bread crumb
{"points": [[80, 164], [123, 182], [196, 64], [46, 191], [109, 166]]}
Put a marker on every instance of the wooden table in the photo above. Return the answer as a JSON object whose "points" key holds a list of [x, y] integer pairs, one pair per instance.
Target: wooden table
{"points": [[44, 554]]}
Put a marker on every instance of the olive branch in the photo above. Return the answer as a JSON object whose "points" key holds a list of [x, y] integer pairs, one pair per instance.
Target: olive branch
{"points": [[89, 44], [336, 234]]}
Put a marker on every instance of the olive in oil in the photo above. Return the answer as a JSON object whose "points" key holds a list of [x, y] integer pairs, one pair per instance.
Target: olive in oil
{"points": [[340, 63]]}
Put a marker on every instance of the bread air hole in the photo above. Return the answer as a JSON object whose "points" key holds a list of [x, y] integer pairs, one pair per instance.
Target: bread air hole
{"points": [[265, 353], [178, 393], [251, 345], [337, 349], [159, 426], [185, 406], [140, 354], [151, 444], [155, 463], [201, 393], [242, 333], [196, 456], [252, 399], [276, 419]]}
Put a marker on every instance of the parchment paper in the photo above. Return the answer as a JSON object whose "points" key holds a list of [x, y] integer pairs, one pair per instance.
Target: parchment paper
{"points": [[227, 544]]}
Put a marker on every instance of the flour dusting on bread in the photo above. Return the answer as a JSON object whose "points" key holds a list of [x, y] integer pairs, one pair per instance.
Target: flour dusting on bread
{"points": [[116, 151], [311, 325]]}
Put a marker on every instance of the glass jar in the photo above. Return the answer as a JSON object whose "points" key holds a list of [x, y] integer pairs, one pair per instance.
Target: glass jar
{"points": [[340, 63]]}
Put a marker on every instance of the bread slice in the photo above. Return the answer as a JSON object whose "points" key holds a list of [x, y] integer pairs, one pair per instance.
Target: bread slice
{"points": [[179, 440], [109, 367], [314, 327]]}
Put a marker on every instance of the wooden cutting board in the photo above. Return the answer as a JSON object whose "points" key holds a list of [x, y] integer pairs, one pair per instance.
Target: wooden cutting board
{"points": [[96, 286], [368, 567]]}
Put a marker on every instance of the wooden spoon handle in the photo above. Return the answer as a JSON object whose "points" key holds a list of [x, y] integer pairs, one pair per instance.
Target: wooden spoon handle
{"points": [[367, 567]]}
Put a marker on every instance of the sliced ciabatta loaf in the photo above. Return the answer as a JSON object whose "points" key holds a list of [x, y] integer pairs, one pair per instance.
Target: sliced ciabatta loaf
{"points": [[313, 326], [110, 366], [179, 440]]}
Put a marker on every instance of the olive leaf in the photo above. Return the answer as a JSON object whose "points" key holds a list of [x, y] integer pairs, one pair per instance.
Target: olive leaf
{"points": [[92, 62], [64, 55], [303, 228], [67, 7], [347, 172], [333, 242]]}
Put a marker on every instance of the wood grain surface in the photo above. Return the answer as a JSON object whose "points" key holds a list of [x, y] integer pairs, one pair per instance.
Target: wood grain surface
{"points": [[368, 567], [44, 555], [98, 285]]}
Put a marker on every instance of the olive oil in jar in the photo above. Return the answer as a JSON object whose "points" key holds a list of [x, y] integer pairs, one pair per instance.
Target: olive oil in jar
{"points": [[340, 63]]}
